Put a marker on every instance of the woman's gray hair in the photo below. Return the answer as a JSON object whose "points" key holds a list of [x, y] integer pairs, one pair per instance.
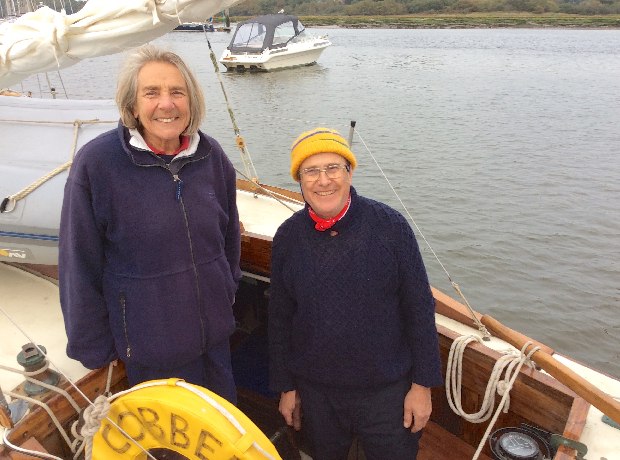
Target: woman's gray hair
{"points": [[127, 86]]}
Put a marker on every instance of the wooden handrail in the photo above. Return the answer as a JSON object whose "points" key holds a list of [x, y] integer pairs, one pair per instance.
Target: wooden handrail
{"points": [[595, 396]]}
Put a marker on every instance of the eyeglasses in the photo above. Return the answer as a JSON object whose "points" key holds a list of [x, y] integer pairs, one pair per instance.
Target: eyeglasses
{"points": [[331, 171]]}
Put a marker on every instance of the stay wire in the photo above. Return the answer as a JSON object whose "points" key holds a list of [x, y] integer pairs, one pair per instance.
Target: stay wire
{"points": [[481, 327], [245, 155]]}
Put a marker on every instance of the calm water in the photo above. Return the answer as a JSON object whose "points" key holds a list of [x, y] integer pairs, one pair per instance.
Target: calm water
{"points": [[503, 144]]}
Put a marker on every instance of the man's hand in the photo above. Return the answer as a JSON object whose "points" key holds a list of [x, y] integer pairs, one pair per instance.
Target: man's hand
{"points": [[290, 408], [418, 407]]}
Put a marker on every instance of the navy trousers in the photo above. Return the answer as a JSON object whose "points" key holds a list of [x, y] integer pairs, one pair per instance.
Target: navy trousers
{"points": [[332, 418], [213, 371]]}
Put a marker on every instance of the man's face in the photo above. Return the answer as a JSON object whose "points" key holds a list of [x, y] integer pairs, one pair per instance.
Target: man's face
{"points": [[326, 196]]}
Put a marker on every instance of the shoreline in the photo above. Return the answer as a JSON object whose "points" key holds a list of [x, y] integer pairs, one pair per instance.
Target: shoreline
{"points": [[464, 21]]}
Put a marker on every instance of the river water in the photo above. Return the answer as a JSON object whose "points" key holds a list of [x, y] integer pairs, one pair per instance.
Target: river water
{"points": [[503, 144]]}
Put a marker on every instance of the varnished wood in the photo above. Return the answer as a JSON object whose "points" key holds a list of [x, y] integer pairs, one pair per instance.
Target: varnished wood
{"points": [[38, 424], [438, 444], [256, 254], [450, 308], [264, 189], [568, 377], [535, 398], [574, 428]]}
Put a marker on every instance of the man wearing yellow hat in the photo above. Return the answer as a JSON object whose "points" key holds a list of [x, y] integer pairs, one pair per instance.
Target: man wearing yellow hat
{"points": [[351, 315]]}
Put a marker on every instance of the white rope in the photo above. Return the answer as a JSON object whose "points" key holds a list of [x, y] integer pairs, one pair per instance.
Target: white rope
{"points": [[521, 361], [108, 383], [454, 377], [93, 416], [46, 409], [32, 453], [510, 363]]}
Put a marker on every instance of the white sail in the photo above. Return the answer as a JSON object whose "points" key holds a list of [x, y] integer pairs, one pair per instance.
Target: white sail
{"points": [[46, 40]]}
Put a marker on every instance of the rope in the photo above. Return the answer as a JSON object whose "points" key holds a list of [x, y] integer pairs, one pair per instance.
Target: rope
{"points": [[29, 377], [9, 203], [522, 360], [46, 409], [93, 416], [511, 363], [108, 383], [31, 453]]}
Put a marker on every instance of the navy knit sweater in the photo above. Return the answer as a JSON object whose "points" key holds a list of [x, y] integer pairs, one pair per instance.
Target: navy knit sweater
{"points": [[351, 306]]}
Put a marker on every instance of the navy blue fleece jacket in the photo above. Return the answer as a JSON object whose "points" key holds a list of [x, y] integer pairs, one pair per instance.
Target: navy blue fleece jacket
{"points": [[149, 253]]}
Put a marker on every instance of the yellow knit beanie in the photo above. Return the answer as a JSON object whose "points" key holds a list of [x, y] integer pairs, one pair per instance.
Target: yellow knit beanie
{"points": [[319, 140]]}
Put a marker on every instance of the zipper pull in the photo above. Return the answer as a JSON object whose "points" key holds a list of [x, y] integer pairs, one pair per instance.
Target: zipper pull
{"points": [[179, 186]]}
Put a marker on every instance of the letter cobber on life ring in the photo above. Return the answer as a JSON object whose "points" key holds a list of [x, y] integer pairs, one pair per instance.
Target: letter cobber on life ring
{"points": [[178, 416]]}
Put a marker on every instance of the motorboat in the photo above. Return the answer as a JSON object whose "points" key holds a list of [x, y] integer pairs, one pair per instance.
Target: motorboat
{"points": [[195, 27], [270, 42], [550, 407]]}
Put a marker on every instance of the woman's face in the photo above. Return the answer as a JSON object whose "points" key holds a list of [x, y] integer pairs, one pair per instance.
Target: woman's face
{"points": [[162, 105]]}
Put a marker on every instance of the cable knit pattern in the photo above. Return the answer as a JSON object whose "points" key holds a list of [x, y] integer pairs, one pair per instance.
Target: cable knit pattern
{"points": [[352, 306]]}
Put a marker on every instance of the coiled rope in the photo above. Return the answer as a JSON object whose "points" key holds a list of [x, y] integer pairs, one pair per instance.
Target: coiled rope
{"points": [[511, 363]]}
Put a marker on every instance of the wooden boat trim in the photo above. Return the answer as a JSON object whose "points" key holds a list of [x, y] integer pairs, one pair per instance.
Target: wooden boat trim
{"points": [[264, 189], [40, 426], [536, 397], [450, 308]]}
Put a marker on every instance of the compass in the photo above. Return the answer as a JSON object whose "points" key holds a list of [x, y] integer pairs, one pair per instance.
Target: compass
{"points": [[519, 443], [518, 446]]}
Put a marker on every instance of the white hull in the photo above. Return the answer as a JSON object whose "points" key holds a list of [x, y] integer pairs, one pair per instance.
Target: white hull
{"points": [[293, 55]]}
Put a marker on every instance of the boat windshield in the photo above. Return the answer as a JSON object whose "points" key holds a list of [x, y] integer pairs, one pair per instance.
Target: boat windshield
{"points": [[283, 33], [251, 35]]}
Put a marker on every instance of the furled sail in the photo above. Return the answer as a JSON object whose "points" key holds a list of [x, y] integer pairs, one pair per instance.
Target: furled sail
{"points": [[46, 40]]}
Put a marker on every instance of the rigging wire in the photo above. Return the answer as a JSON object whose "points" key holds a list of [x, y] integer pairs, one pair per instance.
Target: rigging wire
{"points": [[245, 155], [73, 384], [481, 327]]}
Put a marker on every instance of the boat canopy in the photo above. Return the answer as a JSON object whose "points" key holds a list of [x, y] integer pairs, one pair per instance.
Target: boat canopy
{"points": [[262, 32]]}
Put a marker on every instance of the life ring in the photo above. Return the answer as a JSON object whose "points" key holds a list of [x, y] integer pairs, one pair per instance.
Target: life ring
{"points": [[175, 415]]}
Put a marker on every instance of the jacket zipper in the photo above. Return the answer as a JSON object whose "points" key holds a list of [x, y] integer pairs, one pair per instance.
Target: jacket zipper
{"points": [[123, 303], [179, 198], [179, 187]]}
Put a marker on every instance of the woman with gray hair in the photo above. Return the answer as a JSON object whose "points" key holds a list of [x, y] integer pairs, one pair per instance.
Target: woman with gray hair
{"points": [[149, 235]]}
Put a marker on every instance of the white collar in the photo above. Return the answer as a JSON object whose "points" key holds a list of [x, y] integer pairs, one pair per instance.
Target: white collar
{"points": [[138, 142]]}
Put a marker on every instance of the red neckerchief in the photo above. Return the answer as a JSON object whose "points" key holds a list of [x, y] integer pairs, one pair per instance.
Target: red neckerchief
{"points": [[324, 224], [183, 146]]}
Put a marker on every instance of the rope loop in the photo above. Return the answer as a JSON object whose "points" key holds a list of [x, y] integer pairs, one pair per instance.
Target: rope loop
{"points": [[508, 364]]}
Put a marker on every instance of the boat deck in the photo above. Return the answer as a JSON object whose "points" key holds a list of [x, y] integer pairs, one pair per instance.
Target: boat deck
{"points": [[32, 302]]}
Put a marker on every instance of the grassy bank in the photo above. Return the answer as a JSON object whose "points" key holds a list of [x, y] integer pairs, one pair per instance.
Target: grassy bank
{"points": [[464, 21]]}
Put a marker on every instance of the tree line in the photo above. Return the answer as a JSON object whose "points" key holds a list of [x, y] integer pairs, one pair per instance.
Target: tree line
{"points": [[401, 7], [397, 7]]}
